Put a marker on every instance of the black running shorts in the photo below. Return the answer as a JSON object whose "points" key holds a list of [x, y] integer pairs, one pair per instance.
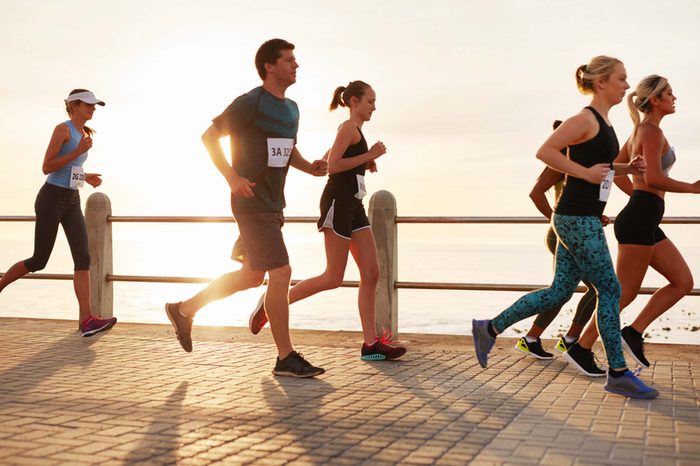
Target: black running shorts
{"points": [[638, 222], [342, 215]]}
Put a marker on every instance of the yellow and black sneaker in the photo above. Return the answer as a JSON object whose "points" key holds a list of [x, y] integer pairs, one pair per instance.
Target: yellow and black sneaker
{"points": [[533, 348], [563, 346]]}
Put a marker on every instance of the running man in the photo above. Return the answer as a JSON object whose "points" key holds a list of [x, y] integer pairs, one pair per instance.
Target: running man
{"points": [[262, 126]]}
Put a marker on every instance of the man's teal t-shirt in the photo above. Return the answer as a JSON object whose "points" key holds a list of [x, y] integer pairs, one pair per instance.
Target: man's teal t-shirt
{"points": [[263, 132]]}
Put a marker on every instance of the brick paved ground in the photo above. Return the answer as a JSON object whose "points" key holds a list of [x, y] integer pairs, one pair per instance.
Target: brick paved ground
{"points": [[131, 396]]}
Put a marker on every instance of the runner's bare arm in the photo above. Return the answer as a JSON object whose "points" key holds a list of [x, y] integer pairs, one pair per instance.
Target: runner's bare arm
{"points": [[574, 130], [315, 168], [212, 141], [61, 135]]}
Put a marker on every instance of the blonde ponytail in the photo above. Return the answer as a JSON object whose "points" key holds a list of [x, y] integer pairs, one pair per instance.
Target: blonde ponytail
{"points": [[639, 100]]}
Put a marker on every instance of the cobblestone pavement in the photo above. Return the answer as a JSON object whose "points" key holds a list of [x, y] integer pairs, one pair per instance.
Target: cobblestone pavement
{"points": [[132, 396]]}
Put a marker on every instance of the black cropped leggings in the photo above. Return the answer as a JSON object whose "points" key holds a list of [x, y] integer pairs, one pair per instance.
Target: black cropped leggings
{"points": [[55, 205]]}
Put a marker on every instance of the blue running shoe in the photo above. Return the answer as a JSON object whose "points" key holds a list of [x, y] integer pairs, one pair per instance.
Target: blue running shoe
{"points": [[630, 385], [483, 341]]}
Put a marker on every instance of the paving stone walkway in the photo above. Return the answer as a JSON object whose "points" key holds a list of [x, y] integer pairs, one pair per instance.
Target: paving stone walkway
{"points": [[132, 396]]}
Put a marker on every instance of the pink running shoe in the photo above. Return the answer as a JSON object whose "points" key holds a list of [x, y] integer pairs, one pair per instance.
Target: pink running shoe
{"points": [[95, 324], [258, 319], [383, 349]]}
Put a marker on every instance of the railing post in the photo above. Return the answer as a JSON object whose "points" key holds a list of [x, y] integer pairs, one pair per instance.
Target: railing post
{"points": [[97, 210], [382, 216]]}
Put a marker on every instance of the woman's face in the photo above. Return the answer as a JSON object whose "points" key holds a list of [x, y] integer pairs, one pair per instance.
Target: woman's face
{"points": [[666, 102], [616, 85], [366, 105], [82, 110]]}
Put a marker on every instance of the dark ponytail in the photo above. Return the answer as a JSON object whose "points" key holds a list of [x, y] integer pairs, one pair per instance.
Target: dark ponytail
{"points": [[337, 98], [342, 94]]}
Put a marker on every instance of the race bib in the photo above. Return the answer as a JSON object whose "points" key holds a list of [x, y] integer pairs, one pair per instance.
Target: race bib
{"points": [[606, 186], [361, 190], [278, 152], [77, 177]]}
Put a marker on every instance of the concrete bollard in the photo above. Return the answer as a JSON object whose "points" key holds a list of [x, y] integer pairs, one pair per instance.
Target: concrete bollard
{"points": [[97, 210], [382, 216]]}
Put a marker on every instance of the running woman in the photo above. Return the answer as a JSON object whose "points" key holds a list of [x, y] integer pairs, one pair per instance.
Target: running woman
{"points": [[262, 128], [641, 243], [344, 223], [582, 251], [531, 344], [58, 202]]}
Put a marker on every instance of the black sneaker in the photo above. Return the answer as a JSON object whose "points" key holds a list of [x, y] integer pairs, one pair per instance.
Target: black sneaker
{"points": [[533, 349], [584, 361], [294, 365], [633, 343]]}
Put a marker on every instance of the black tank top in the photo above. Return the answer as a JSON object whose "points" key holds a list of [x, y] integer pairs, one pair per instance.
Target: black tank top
{"points": [[344, 184], [581, 197]]}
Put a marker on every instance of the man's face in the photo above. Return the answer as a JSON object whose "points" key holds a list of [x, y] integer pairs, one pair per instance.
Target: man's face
{"points": [[284, 70]]}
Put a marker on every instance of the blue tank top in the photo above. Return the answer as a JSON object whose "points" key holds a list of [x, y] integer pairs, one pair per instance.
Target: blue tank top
{"points": [[61, 177]]}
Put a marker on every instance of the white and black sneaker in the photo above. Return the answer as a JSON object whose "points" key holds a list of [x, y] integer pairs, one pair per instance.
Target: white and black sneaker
{"points": [[294, 365], [633, 343], [584, 361]]}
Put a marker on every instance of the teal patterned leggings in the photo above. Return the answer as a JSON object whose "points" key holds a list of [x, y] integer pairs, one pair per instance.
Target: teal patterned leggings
{"points": [[582, 253]]}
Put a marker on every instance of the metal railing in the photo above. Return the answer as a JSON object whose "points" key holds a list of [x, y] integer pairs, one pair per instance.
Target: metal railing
{"points": [[384, 220]]}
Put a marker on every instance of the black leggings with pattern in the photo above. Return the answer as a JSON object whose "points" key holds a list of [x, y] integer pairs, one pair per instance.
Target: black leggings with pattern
{"points": [[586, 305], [582, 253]]}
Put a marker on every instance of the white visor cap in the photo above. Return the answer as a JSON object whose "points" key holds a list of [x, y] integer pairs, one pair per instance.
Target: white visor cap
{"points": [[87, 97]]}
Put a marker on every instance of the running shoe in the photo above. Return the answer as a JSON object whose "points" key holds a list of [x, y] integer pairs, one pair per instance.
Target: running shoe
{"points": [[182, 324], [483, 341], [563, 346], [630, 385], [533, 349], [633, 343], [258, 318], [383, 349], [294, 365], [584, 361], [94, 324]]}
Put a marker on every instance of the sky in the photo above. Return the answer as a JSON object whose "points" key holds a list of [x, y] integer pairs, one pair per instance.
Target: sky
{"points": [[466, 92]]}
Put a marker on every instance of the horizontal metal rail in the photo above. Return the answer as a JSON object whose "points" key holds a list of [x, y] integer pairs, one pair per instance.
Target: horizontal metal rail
{"points": [[186, 219], [446, 286], [409, 220], [401, 285], [161, 279]]}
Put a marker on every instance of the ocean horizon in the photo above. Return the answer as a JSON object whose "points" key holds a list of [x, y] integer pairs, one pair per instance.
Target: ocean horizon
{"points": [[433, 253]]}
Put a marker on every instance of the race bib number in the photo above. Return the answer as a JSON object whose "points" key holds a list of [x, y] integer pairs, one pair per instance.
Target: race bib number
{"points": [[606, 186], [361, 190], [77, 177], [278, 152]]}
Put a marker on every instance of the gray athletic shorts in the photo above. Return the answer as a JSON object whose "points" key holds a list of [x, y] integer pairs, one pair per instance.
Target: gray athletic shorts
{"points": [[260, 240]]}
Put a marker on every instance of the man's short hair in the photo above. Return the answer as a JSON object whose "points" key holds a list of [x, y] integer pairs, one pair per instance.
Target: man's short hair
{"points": [[269, 52]]}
